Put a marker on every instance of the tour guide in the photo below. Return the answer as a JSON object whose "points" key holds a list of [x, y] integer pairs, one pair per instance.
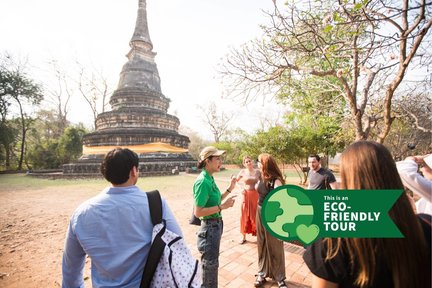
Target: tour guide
{"points": [[208, 207]]}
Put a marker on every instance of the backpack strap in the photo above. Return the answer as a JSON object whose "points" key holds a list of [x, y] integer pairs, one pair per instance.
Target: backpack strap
{"points": [[326, 182], [426, 224], [155, 205], [426, 218], [271, 184], [158, 245]]}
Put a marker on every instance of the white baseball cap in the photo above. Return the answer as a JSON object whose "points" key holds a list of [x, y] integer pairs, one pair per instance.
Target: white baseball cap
{"points": [[210, 151]]}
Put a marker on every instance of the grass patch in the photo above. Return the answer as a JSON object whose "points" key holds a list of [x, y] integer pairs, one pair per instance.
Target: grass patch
{"points": [[162, 183], [22, 181], [168, 183]]}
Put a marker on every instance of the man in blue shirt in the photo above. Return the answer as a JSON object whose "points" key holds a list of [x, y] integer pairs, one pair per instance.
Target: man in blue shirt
{"points": [[113, 228]]}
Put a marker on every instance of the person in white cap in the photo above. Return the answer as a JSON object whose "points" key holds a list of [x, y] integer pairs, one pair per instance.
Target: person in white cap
{"points": [[417, 183], [208, 206]]}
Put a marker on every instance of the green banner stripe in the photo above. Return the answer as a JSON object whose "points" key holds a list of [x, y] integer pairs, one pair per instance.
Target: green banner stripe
{"points": [[291, 213]]}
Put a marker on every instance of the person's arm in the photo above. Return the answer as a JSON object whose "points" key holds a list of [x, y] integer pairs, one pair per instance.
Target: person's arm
{"points": [[201, 188], [73, 262], [309, 187], [230, 188], [205, 211], [326, 273], [412, 179], [331, 180], [277, 183], [334, 185], [318, 282], [239, 175]]}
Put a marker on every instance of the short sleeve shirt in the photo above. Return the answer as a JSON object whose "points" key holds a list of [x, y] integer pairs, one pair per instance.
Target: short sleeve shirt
{"points": [[319, 179], [339, 270], [206, 193], [263, 189]]}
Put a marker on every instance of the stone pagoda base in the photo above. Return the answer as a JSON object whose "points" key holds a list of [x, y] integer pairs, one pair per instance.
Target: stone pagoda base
{"points": [[150, 164]]}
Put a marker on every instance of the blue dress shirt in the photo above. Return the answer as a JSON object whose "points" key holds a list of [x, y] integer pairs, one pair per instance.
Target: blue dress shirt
{"points": [[114, 228]]}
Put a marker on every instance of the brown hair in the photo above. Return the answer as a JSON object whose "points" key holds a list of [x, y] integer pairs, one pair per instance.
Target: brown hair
{"points": [[270, 169], [202, 163], [316, 156], [368, 165]]}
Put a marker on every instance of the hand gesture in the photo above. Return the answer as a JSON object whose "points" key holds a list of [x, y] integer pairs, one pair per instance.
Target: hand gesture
{"points": [[229, 202]]}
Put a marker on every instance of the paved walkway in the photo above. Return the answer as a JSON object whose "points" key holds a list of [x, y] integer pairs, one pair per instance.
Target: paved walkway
{"points": [[238, 262]]}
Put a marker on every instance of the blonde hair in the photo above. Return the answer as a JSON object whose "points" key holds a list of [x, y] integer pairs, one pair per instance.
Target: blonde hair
{"points": [[245, 158], [367, 165]]}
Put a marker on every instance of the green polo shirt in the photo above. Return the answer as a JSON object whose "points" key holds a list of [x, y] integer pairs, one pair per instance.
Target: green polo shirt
{"points": [[206, 193]]}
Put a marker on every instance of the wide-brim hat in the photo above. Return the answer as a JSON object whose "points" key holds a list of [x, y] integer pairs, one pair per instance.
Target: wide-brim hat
{"points": [[210, 151], [428, 160]]}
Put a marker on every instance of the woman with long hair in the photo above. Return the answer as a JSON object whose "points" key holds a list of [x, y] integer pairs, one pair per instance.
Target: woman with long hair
{"points": [[208, 207], [248, 176], [374, 262], [271, 257]]}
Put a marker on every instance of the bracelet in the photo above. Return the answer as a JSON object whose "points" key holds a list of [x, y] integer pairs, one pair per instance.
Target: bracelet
{"points": [[220, 209], [228, 190]]}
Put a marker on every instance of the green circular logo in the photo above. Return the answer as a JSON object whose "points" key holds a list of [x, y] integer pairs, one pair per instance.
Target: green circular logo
{"points": [[287, 213]]}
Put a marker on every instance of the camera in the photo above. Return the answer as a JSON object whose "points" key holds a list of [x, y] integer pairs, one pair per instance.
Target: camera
{"points": [[411, 146]]}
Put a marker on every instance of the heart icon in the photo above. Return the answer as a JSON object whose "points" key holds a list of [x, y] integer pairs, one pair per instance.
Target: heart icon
{"points": [[307, 234]]}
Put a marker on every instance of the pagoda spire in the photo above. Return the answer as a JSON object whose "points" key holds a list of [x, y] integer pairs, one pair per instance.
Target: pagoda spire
{"points": [[141, 37], [139, 118]]}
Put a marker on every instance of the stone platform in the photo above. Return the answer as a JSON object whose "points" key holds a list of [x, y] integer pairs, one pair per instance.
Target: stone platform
{"points": [[150, 164]]}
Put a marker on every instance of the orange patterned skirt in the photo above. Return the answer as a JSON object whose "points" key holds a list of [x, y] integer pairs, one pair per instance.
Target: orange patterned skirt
{"points": [[248, 212]]}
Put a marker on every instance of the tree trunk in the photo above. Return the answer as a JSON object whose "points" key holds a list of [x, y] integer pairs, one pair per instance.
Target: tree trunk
{"points": [[24, 132], [7, 150]]}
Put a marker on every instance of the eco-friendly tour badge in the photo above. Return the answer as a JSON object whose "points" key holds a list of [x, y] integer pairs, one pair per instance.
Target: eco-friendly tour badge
{"points": [[292, 213]]}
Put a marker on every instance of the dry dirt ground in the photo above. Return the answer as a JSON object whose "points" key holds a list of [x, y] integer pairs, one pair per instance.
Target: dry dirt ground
{"points": [[33, 226], [33, 223]]}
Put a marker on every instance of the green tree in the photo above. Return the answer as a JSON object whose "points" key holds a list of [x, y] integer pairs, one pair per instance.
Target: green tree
{"points": [[361, 51], [19, 90], [293, 145], [70, 144], [51, 152], [44, 155], [41, 139], [232, 154], [273, 141], [8, 136]]}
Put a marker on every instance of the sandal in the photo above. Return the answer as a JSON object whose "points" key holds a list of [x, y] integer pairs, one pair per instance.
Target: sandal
{"points": [[260, 280], [282, 284], [242, 241]]}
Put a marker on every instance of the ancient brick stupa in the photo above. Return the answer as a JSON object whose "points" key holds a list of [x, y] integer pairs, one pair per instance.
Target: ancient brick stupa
{"points": [[138, 119]]}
